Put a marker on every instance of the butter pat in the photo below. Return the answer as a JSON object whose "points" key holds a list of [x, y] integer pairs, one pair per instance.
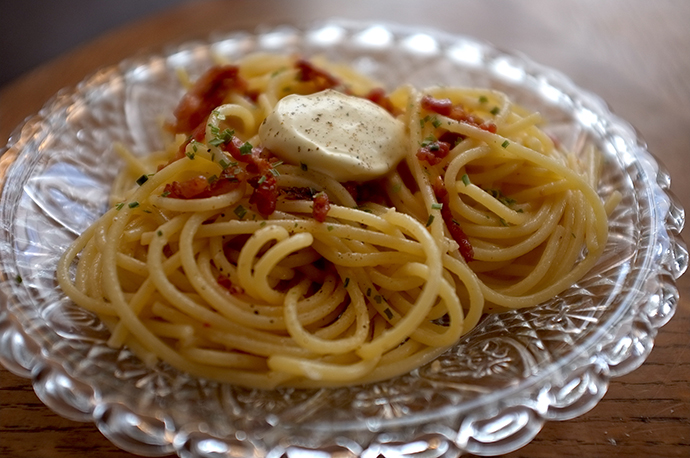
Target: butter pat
{"points": [[345, 137]]}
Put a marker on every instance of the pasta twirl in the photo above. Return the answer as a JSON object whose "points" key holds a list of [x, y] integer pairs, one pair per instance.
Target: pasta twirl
{"points": [[228, 262]]}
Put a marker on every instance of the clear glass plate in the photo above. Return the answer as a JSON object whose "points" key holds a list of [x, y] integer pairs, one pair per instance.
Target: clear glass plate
{"points": [[490, 394]]}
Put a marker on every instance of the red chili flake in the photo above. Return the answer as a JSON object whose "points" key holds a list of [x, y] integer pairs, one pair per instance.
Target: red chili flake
{"points": [[453, 226], [320, 207], [226, 283]]}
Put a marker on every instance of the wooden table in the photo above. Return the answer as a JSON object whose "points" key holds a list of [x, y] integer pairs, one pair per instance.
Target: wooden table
{"points": [[635, 54]]}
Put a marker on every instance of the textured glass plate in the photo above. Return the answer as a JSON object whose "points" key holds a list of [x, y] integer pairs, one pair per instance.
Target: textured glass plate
{"points": [[490, 394]]}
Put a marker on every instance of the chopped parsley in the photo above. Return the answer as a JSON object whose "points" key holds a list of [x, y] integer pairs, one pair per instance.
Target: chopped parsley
{"points": [[273, 169], [191, 156], [212, 179], [429, 141], [303, 166], [240, 211], [246, 149], [133, 204], [220, 116], [18, 279], [388, 313], [378, 298], [483, 99], [495, 110], [142, 179], [396, 187], [498, 195], [436, 206], [424, 120], [466, 179], [346, 282], [160, 233], [430, 220], [505, 144], [220, 137], [120, 205]]}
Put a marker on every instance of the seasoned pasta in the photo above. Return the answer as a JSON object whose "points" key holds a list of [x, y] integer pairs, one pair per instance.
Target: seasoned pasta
{"points": [[305, 228]]}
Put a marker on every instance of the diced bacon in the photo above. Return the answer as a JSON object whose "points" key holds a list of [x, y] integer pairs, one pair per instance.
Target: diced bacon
{"points": [[379, 97], [451, 138], [187, 189], [321, 78], [434, 152], [440, 106], [258, 160], [265, 195], [445, 107], [198, 134], [369, 191], [199, 187], [320, 207], [206, 94], [465, 248]]}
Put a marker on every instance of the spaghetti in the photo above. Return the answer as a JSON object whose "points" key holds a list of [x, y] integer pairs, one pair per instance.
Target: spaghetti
{"points": [[230, 264]]}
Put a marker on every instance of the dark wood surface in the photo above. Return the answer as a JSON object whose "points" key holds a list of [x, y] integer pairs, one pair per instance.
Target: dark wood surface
{"points": [[633, 53]]}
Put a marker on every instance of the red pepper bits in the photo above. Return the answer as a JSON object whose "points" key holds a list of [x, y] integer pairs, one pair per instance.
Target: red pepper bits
{"points": [[465, 248]]}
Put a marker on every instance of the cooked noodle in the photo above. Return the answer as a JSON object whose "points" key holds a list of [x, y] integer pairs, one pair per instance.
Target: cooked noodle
{"points": [[190, 268]]}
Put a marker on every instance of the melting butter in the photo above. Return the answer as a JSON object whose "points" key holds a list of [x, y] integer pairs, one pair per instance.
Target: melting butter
{"points": [[345, 137]]}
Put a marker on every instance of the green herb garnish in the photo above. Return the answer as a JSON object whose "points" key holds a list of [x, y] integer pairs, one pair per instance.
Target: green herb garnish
{"points": [[246, 149], [240, 211]]}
